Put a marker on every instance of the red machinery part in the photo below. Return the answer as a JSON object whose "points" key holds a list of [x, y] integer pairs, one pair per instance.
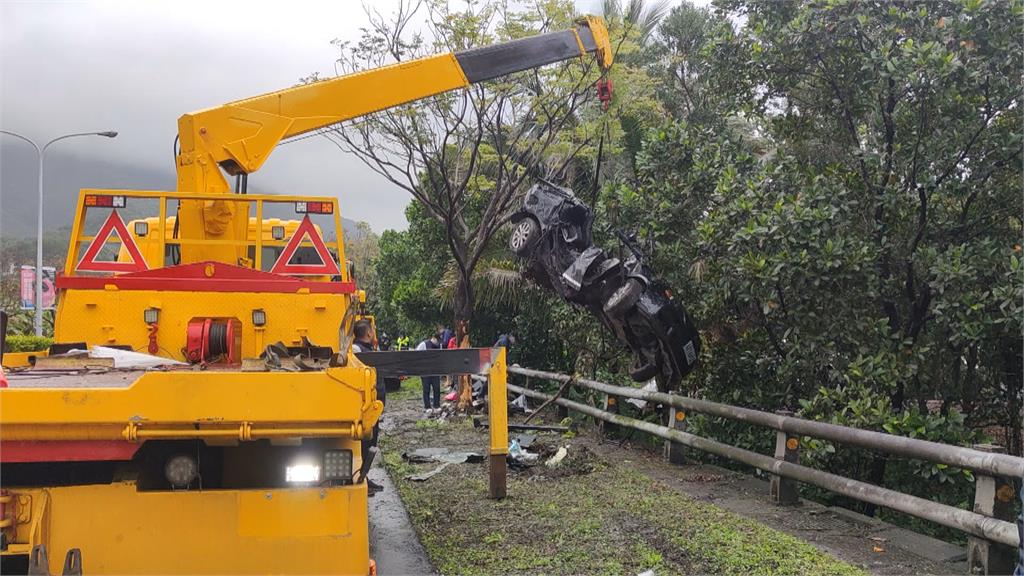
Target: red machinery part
{"points": [[194, 340], [604, 92], [209, 340], [154, 348]]}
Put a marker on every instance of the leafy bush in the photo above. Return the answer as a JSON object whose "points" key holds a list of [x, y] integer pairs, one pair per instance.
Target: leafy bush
{"points": [[27, 343]]}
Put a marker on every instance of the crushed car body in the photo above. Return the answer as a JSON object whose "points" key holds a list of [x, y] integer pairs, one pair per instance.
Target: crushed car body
{"points": [[552, 237]]}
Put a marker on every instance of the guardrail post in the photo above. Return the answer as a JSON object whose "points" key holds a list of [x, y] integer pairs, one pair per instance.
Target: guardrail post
{"points": [[787, 447], [674, 450], [993, 496], [611, 404]]}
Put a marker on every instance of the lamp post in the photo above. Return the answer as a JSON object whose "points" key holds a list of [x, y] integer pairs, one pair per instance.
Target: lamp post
{"points": [[41, 153]]}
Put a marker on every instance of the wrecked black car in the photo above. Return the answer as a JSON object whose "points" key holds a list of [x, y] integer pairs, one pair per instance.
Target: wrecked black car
{"points": [[552, 237]]}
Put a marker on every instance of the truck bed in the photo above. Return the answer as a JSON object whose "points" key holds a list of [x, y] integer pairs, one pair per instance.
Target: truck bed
{"points": [[73, 378]]}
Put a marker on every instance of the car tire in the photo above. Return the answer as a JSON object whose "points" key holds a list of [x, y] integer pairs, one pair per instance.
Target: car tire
{"points": [[624, 298], [643, 372], [524, 237]]}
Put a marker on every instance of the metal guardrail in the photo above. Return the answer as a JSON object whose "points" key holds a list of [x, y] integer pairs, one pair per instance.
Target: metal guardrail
{"points": [[996, 464], [993, 469]]}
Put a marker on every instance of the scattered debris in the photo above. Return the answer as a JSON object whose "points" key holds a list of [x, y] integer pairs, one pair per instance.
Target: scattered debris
{"points": [[427, 475], [526, 440], [72, 360], [129, 359], [519, 457], [651, 386], [555, 460], [647, 572], [518, 406], [480, 423], [445, 455]]}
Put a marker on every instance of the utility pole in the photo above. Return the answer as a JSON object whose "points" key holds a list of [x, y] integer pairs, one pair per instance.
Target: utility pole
{"points": [[41, 155]]}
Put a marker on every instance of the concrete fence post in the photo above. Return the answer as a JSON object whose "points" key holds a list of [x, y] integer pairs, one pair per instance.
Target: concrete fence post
{"points": [[674, 450], [993, 496], [787, 447], [611, 404]]}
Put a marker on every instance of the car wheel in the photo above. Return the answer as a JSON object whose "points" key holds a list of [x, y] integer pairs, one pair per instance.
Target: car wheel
{"points": [[643, 372], [624, 298], [524, 236]]}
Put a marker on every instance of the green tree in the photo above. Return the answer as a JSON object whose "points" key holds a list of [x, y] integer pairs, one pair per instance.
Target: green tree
{"points": [[467, 156], [847, 221], [362, 247]]}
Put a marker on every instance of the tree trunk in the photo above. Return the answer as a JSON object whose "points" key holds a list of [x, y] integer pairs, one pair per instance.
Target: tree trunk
{"points": [[463, 314]]}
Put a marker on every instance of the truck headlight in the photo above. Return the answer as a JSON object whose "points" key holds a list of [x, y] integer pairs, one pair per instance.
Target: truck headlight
{"points": [[338, 465], [302, 474]]}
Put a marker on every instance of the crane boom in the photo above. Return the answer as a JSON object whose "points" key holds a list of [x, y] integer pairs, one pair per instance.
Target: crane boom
{"points": [[239, 136]]}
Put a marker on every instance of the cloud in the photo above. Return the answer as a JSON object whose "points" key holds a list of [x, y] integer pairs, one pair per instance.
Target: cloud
{"points": [[135, 67]]}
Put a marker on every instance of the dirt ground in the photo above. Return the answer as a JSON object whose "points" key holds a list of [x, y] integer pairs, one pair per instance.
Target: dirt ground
{"points": [[609, 509]]}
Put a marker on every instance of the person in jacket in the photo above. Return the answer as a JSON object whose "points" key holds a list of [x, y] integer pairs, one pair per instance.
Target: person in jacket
{"points": [[432, 383], [364, 338]]}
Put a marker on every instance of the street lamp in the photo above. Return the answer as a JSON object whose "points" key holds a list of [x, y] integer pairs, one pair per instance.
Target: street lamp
{"points": [[41, 153]]}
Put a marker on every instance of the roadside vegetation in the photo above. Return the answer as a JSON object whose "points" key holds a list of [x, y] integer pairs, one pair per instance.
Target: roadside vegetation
{"points": [[831, 187], [588, 516]]}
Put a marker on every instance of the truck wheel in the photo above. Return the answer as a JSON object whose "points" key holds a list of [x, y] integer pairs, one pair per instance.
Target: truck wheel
{"points": [[524, 236], [624, 298]]}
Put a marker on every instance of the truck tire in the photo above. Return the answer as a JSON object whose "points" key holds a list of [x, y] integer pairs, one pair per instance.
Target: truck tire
{"points": [[624, 298], [524, 237]]}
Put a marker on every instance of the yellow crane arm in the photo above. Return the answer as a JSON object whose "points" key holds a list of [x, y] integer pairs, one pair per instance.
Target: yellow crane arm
{"points": [[239, 136]]}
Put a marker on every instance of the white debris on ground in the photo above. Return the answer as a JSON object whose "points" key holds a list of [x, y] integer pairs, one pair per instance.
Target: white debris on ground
{"points": [[131, 360], [560, 455], [651, 386]]}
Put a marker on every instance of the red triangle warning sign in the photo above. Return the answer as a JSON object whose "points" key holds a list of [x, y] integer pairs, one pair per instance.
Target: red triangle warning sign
{"points": [[113, 223], [327, 266]]}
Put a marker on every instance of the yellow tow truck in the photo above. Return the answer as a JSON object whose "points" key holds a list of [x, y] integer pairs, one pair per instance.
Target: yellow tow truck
{"points": [[240, 453]]}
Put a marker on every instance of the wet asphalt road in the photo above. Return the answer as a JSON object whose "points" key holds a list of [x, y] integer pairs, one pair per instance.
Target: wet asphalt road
{"points": [[393, 541]]}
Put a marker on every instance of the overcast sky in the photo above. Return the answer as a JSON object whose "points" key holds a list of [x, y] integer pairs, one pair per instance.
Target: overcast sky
{"points": [[136, 66]]}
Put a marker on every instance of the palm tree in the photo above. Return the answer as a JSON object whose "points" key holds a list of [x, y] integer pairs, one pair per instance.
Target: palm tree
{"points": [[637, 15]]}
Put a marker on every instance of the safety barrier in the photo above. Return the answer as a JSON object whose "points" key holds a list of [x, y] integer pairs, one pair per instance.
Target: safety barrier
{"points": [[993, 535]]}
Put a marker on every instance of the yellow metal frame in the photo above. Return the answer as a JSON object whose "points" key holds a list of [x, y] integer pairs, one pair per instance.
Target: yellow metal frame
{"points": [[227, 250], [116, 317], [22, 359], [296, 530], [337, 402]]}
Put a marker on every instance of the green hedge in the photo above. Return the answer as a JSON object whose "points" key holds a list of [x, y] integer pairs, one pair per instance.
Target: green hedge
{"points": [[27, 343]]}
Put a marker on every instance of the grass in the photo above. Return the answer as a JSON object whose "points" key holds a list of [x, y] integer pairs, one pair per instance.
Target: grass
{"points": [[411, 389], [589, 516]]}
